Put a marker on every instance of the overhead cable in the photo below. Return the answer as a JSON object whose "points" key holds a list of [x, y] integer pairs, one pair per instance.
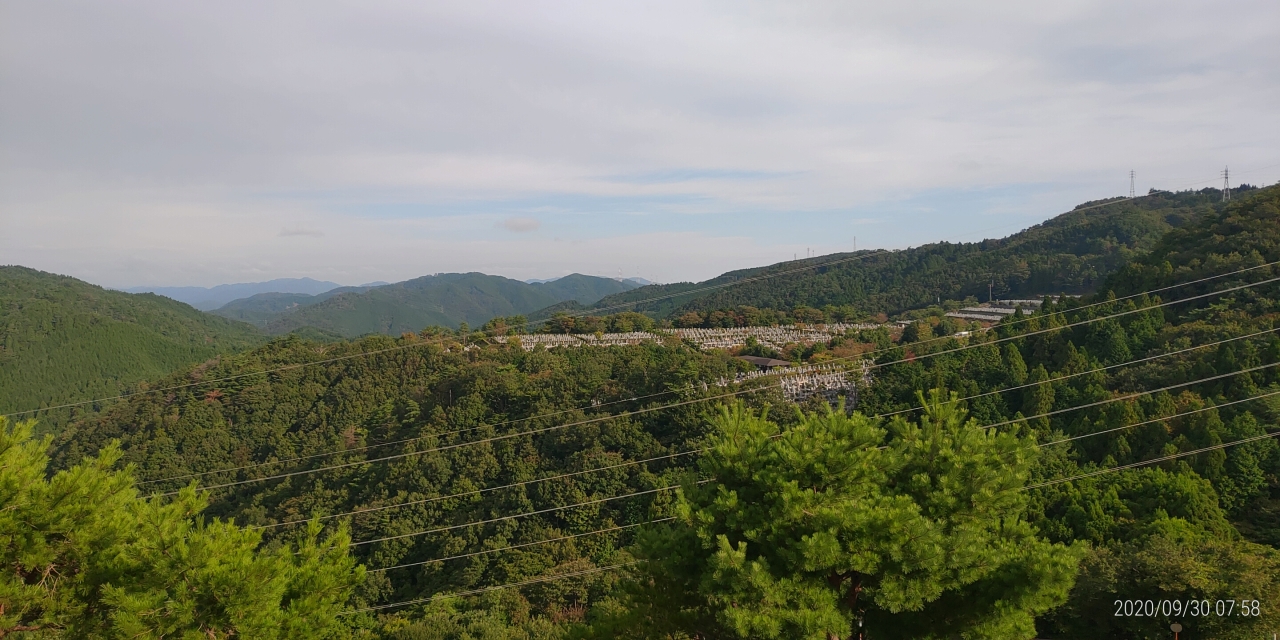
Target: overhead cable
{"points": [[523, 545], [724, 395]]}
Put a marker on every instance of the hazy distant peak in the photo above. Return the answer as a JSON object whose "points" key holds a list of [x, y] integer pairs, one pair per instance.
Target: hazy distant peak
{"points": [[209, 298]]}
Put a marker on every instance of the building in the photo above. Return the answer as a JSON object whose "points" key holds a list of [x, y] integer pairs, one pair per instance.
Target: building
{"points": [[765, 364]]}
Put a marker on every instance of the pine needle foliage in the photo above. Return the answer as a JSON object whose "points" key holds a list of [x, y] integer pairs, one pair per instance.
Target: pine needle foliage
{"points": [[817, 531], [84, 556]]}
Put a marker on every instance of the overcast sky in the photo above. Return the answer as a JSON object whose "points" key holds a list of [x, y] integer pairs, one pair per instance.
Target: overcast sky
{"points": [[183, 143]]}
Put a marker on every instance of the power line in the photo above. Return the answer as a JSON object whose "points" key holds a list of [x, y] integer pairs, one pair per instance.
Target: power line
{"points": [[628, 463], [1028, 487], [521, 546], [662, 393], [526, 514], [473, 592], [710, 398], [697, 451], [1025, 488], [1160, 419], [684, 453], [1143, 463], [1132, 395], [403, 441], [600, 500], [1091, 371], [892, 413], [987, 426]]}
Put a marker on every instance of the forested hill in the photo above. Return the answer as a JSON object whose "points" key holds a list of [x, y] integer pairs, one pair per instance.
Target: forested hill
{"points": [[63, 339], [447, 299], [481, 470], [1071, 253]]}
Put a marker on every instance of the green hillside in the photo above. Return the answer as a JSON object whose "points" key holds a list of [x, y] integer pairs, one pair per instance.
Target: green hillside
{"points": [[260, 308], [63, 339], [1213, 516], [444, 299], [1071, 253]]}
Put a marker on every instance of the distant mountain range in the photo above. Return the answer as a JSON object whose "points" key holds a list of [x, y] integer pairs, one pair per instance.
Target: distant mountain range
{"points": [[210, 298], [63, 339], [443, 299], [638, 281]]}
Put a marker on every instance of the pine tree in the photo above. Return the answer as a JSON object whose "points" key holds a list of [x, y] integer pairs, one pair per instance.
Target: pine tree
{"points": [[817, 531], [85, 557]]}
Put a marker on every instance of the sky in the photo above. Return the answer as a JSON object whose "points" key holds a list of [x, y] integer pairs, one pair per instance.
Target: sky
{"points": [[160, 143]]}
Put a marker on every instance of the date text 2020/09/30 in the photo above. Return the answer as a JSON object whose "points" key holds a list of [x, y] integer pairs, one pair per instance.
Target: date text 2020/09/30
{"points": [[1244, 608]]}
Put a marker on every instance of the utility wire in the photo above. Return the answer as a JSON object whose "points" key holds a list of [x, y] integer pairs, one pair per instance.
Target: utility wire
{"points": [[1028, 487], [725, 395], [1085, 373], [521, 546], [1131, 396], [403, 441], [473, 592], [600, 500], [445, 339], [1159, 419], [662, 393], [1119, 398], [988, 426], [517, 515], [1143, 463], [464, 494]]}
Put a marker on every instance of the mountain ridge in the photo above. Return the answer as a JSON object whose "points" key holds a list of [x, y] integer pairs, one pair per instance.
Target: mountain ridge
{"points": [[448, 299], [210, 298], [63, 339], [1070, 253]]}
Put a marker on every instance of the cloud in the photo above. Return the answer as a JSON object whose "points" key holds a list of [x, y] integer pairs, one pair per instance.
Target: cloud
{"points": [[521, 225], [288, 232], [211, 126]]}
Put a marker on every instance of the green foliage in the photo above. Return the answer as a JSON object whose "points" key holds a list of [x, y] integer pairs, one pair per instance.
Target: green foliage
{"points": [[1176, 564], [817, 532], [624, 322], [437, 395], [85, 557], [817, 502], [65, 340]]}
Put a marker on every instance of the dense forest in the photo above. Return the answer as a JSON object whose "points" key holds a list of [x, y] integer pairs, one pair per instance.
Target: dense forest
{"points": [[62, 339], [1014, 483]]}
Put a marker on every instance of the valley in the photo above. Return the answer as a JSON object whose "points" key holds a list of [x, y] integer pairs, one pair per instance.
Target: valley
{"points": [[570, 477]]}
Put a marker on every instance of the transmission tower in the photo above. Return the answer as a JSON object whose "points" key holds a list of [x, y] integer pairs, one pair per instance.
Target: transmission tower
{"points": [[1226, 185], [1131, 176]]}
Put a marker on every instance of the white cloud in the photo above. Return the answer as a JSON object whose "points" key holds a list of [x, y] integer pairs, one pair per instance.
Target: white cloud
{"points": [[190, 133]]}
